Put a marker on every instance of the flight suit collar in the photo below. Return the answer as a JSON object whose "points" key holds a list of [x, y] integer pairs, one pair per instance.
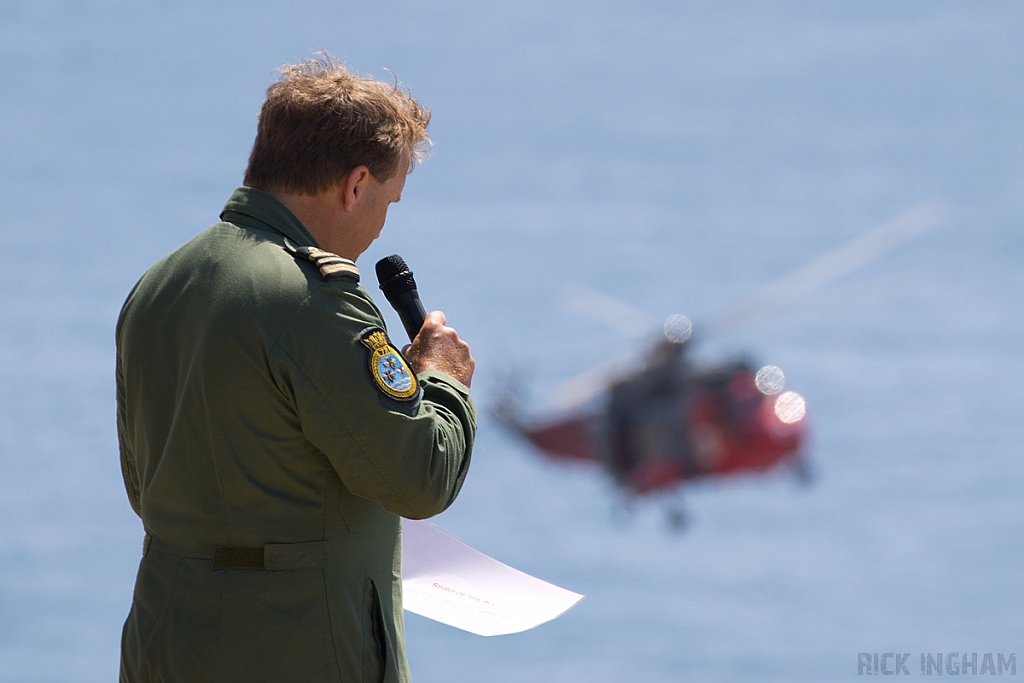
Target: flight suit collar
{"points": [[257, 209]]}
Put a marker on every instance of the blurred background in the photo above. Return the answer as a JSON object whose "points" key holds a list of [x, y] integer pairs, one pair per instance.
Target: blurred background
{"points": [[676, 155]]}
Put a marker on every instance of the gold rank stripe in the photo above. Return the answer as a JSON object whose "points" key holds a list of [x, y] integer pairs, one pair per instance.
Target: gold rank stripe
{"points": [[346, 268], [331, 266]]}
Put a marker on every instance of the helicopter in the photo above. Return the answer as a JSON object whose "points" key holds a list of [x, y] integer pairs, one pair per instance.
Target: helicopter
{"points": [[656, 421]]}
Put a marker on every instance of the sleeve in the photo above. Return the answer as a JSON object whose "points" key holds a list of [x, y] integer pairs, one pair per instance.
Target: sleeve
{"points": [[410, 456]]}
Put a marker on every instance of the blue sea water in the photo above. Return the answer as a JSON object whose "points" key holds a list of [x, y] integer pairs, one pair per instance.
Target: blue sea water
{"points": [[677, 155]]}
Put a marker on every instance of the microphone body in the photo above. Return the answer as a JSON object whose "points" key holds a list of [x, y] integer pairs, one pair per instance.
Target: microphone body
{"points": [[399, 288]]}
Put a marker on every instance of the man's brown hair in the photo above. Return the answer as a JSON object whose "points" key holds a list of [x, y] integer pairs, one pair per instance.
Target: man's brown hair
{"points": [[320, 121]]}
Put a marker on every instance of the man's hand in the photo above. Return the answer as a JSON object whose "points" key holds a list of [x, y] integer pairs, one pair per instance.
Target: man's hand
{"points": [[438, 347]]}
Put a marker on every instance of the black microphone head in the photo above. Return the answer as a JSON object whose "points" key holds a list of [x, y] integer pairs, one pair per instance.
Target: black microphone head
{"points": [[394, 276]]}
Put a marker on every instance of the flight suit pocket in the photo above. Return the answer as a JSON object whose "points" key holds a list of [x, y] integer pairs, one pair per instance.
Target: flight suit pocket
{"points": [[374, 636], [277, 625]]}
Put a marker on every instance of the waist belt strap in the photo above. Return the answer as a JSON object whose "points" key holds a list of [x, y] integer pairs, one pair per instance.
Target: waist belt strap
{"points": [[271, 557], [231, 557]]}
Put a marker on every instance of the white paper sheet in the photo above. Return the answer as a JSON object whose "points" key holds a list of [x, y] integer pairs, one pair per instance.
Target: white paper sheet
{"points": [[445, 580]]}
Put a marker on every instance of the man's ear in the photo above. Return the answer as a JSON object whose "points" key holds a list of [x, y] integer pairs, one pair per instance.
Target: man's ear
{"points": [[353, 186]]}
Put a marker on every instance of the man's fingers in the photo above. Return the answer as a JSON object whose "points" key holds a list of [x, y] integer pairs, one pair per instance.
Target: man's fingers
{"points": [[435, 318], [439, 347]]}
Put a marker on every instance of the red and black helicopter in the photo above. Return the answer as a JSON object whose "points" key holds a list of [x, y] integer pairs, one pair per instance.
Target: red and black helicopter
{"points": [[658, 422]]}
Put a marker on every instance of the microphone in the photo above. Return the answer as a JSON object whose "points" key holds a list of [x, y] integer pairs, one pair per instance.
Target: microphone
{"points": [[399, 287]]}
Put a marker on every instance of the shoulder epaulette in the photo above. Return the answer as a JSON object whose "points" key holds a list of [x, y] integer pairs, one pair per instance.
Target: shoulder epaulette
{"points": [[332, 266]]}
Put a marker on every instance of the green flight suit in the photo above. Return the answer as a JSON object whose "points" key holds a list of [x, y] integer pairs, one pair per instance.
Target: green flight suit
{"points": [[270, 464]]}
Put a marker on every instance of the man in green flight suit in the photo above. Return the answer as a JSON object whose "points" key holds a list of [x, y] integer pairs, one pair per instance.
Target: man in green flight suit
{"points": [[271, 436]]}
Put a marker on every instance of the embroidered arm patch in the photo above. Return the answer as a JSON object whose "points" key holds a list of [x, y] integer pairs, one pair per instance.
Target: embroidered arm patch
{"points": [[392, 375]]}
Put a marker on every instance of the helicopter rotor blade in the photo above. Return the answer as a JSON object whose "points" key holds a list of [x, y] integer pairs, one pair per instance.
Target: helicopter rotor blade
{"points": [[607, 311], [580, 388], [615, 315], [847, 258], [622, 317]]}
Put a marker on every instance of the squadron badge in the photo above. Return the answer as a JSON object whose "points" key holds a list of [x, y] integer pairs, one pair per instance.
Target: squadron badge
{"points": [[392, 374]]}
